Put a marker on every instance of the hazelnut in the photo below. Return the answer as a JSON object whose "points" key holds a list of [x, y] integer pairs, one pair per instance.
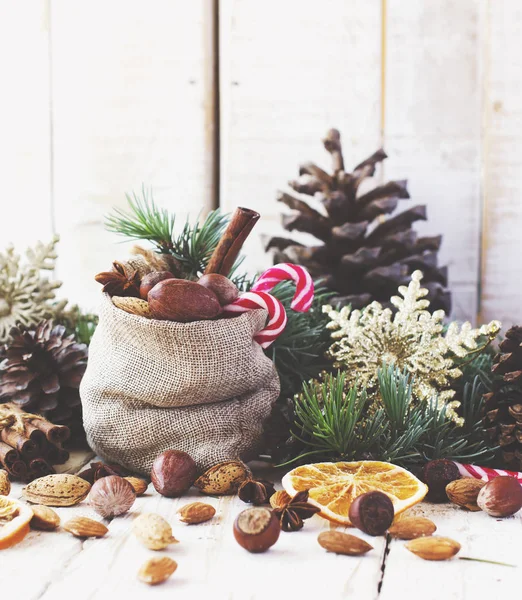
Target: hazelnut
{"points": [[111, 496], [256, 529], [151, 279], [225, 290], [372, 512], [436, 474], [501, 497], [173, 472]]}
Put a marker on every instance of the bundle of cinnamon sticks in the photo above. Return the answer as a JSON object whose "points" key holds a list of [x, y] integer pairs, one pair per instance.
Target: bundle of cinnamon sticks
{"points": [[29, 444]]}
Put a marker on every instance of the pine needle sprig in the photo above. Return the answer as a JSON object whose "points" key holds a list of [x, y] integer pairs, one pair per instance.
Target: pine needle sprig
{"points": [[330, 418], [144, 220], [299, 353]]}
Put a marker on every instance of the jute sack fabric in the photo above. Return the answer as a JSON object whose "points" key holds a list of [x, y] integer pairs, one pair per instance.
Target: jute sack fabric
{"points": [[204, 387]]}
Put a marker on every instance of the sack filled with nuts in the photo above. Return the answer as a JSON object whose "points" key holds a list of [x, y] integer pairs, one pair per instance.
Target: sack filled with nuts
{"points": [[204, 387]]}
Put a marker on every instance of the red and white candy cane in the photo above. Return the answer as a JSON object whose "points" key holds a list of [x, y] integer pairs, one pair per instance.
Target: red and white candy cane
{"points": [[304, 285], [276, 313], [485, 473]]}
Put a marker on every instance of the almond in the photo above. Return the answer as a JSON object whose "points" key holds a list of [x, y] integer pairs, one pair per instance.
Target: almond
{"points": [[196, 512], [412, 528], [134, 306], [279, 499], [140, 485], [464, 492], [157, 570], [434, 548], [57, 490], [343, 543], [83, 527], [223, 479], [153, 531], [5, 484], [44, 518]]}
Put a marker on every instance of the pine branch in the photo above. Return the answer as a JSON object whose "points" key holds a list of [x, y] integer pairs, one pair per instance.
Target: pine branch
{"points": [[299, 353], [192, 248], [143, 221]]}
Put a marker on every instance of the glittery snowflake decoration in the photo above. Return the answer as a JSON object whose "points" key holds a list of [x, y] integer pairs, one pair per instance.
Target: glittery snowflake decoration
{"points": [[412, 339], [26, 295]]}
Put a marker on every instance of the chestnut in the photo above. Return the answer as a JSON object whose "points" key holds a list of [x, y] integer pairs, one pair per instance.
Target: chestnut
{"points": [[372, 512], [225, 290], [256, 529], [151, 279], [501, 497], [173, 472], [436, 474]]}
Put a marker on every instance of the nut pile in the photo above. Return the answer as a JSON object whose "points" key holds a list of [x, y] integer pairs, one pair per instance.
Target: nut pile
{"points": [[161, 295]]}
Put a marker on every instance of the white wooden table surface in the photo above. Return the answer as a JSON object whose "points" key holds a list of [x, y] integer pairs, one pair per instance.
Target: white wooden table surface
{"points": [[56, 565]]}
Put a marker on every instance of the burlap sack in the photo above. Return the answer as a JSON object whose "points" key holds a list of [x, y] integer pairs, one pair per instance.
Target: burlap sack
{"points": [[204, 387]]}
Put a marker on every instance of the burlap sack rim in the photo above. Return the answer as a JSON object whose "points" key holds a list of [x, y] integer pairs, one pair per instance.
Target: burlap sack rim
{"points": [[212, 325]]}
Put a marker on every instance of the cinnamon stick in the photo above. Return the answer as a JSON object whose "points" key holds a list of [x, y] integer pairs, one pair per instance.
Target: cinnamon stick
{"points": [[19, 441], [18, 470], [39, 467], [8, 455], [55, 455], [56, 434], [230, 244], [37, 436]]}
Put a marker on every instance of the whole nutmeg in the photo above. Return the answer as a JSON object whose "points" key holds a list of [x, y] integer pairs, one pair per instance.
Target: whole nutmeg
{"points": [[436, 474], [225, 290], [372, 512], [151, 279], [182, 301], [464, 492], [111, 496], [256, 529], [501, 497], [173, 472]]}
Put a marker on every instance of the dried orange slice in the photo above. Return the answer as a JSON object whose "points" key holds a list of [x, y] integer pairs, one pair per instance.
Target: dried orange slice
{"points": [[334, 486], [14, 521]]}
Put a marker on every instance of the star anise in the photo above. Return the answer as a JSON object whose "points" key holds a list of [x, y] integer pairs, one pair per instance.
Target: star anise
{"points": [[256, 491], [121, 281], [97, 470], [292, 514]]}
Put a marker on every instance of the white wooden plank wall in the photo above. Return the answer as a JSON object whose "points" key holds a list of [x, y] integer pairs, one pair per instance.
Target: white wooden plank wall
{"points": [[100, 97], [502, 149], [289, 71], [432, 127]]}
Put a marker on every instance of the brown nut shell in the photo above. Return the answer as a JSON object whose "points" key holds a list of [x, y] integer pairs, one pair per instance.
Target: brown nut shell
{"points": [[372, 512], [411, 528], [501, 497], [225, 290], [464, 492], [343, 543], [173, 472], [140, 485], [434, 548], [157, 570], [256, 529], [223, 479], [44, 518], [151, 279], [111, 496], [83, 527], [182, 301], [57, 490], [196, 512]]}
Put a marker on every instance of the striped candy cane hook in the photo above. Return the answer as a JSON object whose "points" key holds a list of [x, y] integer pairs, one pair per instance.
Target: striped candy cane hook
{"points": [[276, 314], [304, 292]]}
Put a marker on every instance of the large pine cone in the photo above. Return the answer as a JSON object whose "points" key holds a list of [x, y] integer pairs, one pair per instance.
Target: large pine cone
{"points": [[503, 406], [41, 372], [362, 256]]}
